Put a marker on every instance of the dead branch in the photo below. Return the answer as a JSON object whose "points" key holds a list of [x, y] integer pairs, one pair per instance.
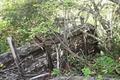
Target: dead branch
{"points": [[39, 76], [15, 55]]}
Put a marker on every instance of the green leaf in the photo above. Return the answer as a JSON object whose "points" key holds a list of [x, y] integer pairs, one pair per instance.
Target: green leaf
{"points": [[86, 71], [56, 72]]}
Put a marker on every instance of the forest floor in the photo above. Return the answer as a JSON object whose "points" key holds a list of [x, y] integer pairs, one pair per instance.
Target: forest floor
{"points": [[34, 61]]}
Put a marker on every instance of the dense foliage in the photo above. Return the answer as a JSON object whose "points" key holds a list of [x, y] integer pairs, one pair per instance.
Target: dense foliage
{"points": [[24, 19]]}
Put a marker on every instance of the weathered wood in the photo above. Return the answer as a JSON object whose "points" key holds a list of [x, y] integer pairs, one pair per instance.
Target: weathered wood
{"points": [[24, 51], [6, 58], [39, 76], [33, 49], [15, 55], [49, 57]]}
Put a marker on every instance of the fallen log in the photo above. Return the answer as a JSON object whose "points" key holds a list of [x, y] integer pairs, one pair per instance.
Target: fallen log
{"points": [[26, 50]]}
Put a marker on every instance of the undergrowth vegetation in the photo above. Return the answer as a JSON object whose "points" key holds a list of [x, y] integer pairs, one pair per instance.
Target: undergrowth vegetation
{"points": [[23, 19]]}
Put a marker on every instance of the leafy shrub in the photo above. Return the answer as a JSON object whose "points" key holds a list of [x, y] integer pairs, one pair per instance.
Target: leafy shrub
{"points": [[23, 19], [56, 72], [86, 71], [105, 65]]}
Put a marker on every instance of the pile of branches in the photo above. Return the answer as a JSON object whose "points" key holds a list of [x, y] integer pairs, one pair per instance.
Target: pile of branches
{"points": [[45, 54]]}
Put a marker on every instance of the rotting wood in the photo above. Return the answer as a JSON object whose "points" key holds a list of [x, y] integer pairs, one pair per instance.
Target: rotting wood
{"points": [[85, 42], [32, 49], [39, 76], [48, 51], [15, 55], [58, 56], [24, 51]]}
